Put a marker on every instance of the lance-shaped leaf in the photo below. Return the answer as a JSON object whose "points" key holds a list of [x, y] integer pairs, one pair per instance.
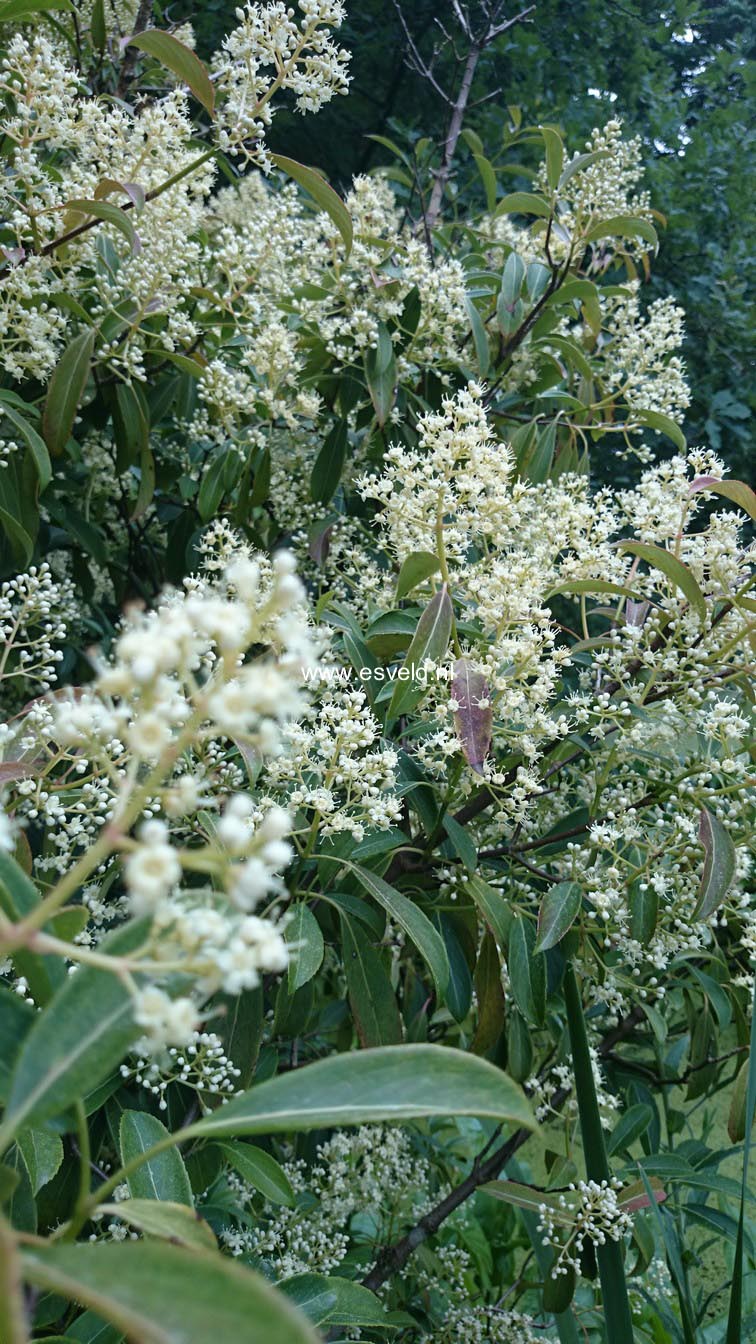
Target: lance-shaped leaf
{"points": [[663, 423], [416, 925], [166, 1220], [380, 372], [163, 1176], [324, 195], [523, 203], [81, 1035], [559, 910], [430, 641], [162, 1294], [304, 936], [473, 716], [65, 391], [34, 443], [260, 1170], [401, 1082], [719, 864], [180, 60], [624, 226], [527, 972], [108, 213], [669, 565], [24, 9], [736, 491], [417, 567]]}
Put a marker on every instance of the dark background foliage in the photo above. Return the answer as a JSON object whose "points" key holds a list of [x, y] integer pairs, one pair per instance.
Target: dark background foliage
{"points": [[680, 76]]}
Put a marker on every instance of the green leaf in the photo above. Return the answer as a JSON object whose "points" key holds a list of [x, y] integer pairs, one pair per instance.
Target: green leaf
{"points": [[737, 491], [632, 1123], [310, 1293], [669, 565], [329, 464], [180, 60], [523, 203], [303, 930], [488, 177], [15, 10], [430, 640], [381, 375], [261, 1171], [360, 1087], [554, 155], [323, 195], [527, 972], [580, 163], [480, 338], [610, 1256], [37, 446], [18, 897], [663, 423], [492, 906], [719, 864], [559, 909], [97, 26], [623, 226], [82, 1033], [43, 1153], [644, 911], [416, 925], [168, 1221], [417, 567], [371, 996], [110, 214], [162, 1294], [735, 1312], [65, 391], [163, 1176], [16, 1017]]}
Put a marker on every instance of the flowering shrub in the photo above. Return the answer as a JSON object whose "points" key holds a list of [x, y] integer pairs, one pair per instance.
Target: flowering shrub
{"points": [[373, 783]]}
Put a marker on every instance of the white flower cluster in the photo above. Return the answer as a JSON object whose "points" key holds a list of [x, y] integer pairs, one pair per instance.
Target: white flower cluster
{"points": [[179, 689], [639, 361], [270, 51], [334, 765], [596, 1217], [36, 612], [371, 1169], [606, 187], [201, 1064]]}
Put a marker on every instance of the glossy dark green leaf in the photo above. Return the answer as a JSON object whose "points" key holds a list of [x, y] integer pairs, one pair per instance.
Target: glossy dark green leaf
{"points": [[668, 564], [364, 1086], [66, 390], [162, 1294], [329, 464], [430, 641], [415, 923], [416, 568], [527, 971], [371, 997], [380, 371], [163, 1176], [324, 195], [260, 1170], [304, 936], [78, 1038], [180, 60], [558, 911], [168, 1221]]}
